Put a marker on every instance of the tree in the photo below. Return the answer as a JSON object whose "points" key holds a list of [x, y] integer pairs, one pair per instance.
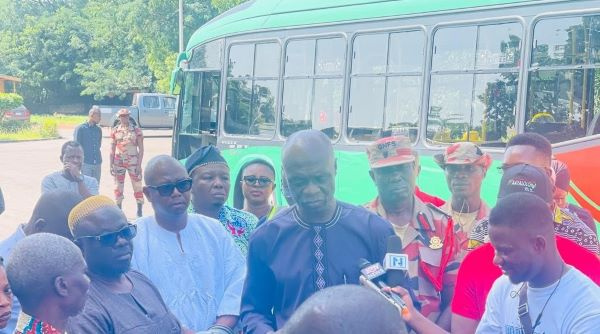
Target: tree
{"points": [[224, 5]]}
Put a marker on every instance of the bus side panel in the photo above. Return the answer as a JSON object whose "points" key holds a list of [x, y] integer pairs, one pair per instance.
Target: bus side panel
{"points": [[353, 183], [584, 166]]}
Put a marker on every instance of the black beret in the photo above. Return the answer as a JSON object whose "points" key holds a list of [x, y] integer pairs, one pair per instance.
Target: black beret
{"points": [[203, 156]]}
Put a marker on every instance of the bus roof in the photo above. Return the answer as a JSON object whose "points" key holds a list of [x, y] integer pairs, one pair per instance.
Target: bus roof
{"points": [[256, 15]]}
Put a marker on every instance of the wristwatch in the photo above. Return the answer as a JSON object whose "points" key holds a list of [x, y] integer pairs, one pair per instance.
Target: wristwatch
{"points": [[80, 179]]}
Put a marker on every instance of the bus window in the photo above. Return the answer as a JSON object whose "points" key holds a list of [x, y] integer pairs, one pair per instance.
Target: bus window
{"points": [[385, 87], [199, 106], [296, 106], [474, 84], [564, 83], [207, 56], [313, 86], [252, 83]]}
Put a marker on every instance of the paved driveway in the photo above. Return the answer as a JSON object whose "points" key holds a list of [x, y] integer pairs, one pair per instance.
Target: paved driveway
{"points": [[23, 165]]}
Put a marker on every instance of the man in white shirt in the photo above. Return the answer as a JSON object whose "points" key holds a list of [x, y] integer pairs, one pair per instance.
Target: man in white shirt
{"points": [[539, 292], [191, 259]]}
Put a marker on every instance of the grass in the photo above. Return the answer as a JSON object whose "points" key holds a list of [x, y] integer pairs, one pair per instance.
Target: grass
{"points": [[61, 120], [40, 127]]}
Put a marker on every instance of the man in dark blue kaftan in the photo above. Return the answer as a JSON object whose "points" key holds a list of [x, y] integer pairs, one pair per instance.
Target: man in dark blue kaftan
{"points": [[312, 245]]}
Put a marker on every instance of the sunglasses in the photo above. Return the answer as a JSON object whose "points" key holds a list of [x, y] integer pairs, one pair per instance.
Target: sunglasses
{"points": [[108, 239], [262, 181], [167, 189]]}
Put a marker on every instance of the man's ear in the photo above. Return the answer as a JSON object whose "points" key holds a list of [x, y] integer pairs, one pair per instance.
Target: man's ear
{"points": [[146, 191], [61, 286], [39, 225], [539, 243]]}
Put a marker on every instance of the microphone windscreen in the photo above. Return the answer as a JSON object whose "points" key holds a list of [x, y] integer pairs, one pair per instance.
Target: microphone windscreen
{"points": [[394, 244]]}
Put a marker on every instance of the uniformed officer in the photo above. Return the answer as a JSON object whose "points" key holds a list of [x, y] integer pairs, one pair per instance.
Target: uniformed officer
{"points": [[127, 152], [426, 232]]}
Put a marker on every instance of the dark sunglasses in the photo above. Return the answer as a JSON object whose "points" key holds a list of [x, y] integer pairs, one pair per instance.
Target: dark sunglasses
{"points": [[262, 181], [167, 189], [108, 239]]}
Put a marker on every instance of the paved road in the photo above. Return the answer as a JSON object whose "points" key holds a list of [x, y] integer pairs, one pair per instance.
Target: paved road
{"points": [[23, 165]]}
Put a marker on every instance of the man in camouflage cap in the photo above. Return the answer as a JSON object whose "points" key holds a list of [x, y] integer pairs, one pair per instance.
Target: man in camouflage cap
{"points": [[465, 167], [426, 232]]}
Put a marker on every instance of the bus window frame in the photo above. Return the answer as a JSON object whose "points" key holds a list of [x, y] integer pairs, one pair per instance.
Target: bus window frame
{"points": [[344, 77], [522, 71], [530, 35], [349, 75], [225, 79]]}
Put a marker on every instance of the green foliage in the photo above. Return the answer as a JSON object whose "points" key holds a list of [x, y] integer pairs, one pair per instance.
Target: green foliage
{"points": [[17, 130], [101, 48], [10, 101], [224, 5]]}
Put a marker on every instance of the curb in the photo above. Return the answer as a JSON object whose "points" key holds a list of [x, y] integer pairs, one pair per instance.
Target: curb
{"points": [[29, 140]]}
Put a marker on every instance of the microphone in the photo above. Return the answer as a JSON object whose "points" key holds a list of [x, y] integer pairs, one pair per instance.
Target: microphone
{"points": [[371, 276], [395, 262], [396, 267]]}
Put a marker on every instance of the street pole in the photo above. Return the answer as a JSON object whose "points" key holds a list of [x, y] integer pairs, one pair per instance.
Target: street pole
{"points": [[180, 26]]}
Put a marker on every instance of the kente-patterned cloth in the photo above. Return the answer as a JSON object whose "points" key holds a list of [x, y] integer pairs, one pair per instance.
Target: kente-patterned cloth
{"points": [[30, 325]]}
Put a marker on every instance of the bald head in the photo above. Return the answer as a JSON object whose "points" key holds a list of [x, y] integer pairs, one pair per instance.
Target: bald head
{"points": [[309, 166], [345, 309], [35, 264], [51, 213], [308, 143], [159, 166]]}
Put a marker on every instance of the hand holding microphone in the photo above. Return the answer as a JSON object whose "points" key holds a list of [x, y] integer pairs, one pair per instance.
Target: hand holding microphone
{"points": [[372, 278]]}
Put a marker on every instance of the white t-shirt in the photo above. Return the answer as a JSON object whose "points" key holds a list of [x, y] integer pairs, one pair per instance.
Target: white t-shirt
{"points": [[573, 309]]}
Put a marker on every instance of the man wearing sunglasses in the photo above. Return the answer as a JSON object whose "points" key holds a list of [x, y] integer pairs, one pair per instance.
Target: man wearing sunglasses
{"points": [[210, 191], [190, 258], [120, 300]]}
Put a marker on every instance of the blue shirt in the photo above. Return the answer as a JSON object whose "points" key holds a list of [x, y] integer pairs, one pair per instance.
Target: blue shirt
{"points": [[57, 181], [90, 138], [200, 278], [290, 259], [6, 247]]}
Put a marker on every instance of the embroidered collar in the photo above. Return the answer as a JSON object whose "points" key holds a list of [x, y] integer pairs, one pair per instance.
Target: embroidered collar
{"points": [[330, 223], [27, 324]]}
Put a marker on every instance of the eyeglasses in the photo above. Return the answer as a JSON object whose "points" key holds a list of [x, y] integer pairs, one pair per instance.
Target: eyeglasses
{"points": [[167, 189], [262, 181], [108, 239]]}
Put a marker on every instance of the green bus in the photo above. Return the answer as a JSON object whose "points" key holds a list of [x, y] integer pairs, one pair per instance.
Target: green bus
{"points": [[437, 71]]}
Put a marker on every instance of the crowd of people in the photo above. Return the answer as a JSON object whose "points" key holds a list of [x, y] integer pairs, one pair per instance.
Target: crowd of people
{"points": [[528, 265]]}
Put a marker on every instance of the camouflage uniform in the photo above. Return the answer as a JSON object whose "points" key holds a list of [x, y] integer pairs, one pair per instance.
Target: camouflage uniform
{"points": [[431, 247], [463, 229], [126, 159]]}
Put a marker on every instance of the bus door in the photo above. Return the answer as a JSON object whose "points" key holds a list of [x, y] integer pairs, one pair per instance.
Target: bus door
{"points": [[196, 124]]}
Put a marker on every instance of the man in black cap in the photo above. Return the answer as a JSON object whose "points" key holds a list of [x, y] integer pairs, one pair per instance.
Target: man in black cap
{"points": [[527, 178], [210, 189]]}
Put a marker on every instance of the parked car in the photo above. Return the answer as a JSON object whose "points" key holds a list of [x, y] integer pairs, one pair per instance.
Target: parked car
{"points": [[149, 110], [20, 113]]}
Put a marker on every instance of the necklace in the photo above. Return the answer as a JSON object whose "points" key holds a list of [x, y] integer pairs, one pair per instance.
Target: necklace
{"points": [[539, 317]]}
